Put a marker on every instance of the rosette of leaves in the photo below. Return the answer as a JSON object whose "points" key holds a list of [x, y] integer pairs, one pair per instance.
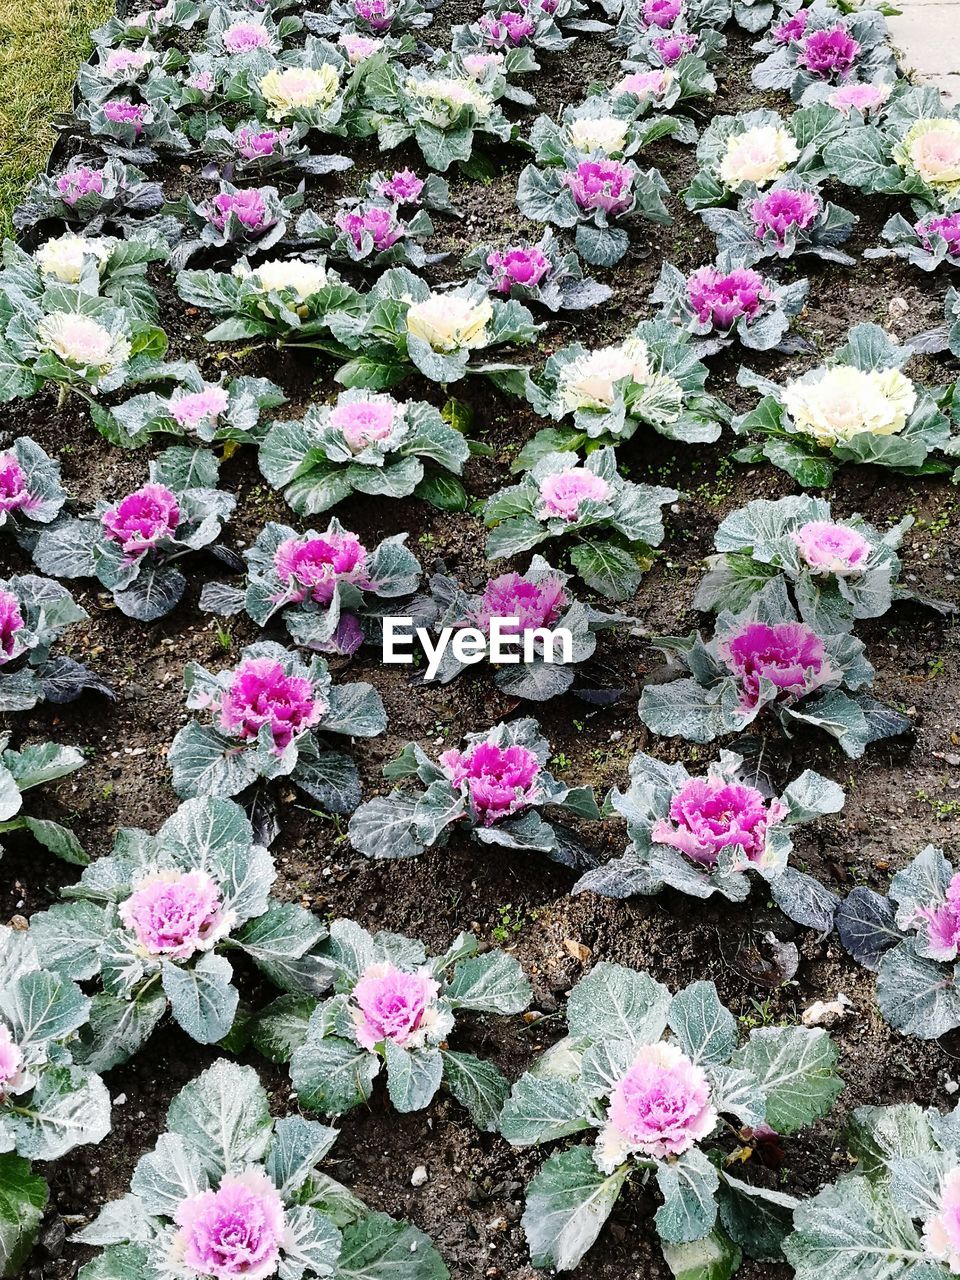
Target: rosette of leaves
{"points": [[230, 754], [140, 572], [603, 124], [650, 863], [724, 693], [320, 1228], [48, 1105], [191, 91], [763, 540], [797, 150], [763, 330], [159, 26], [887, 1215], [613, 531], [687, 79], [433, 192], [340, 613], [251, 87], [570, 15], [212, 229], [115, 270], [544, 195], [898, 423], [345, 15], [34, 613], [134, 926], [407, 822], [33, 495], [333, 1071], [109, 70], [283, 300], [539, 680], [179, 411], [785, 66], [318, 464], [487, 34], [277, 30], [929, 242], [909, 937], [35, 766], [83, 196], [621, 1021], [653, 379], [879, 159], [405, 236], [135, 131], [649, 46], [738, 234], [253, 150], [443, 114], [562, 287], [406, 325]]}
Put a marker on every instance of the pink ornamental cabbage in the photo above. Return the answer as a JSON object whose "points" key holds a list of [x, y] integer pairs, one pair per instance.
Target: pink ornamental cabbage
{"points": [[942, 923], [142, 519], [781, 210], [661, 13], [601, 184], [720, 300], [359, 47], [564, 492], [933, 225], [193, 409], [235, 1231], [364, 422], [832, 548], [533, 604], [392, 1005], [244, 37], [670, 49], [793, 29], [517, 267], [643, 84], [499, 780], [76, 184], [377, 14], [14, 493], [941, 1233], [11, 621], [788, 654], [11, 1061], [380, 223], [507, 28], [254, 143], [310, 568], [829, 53], [175, 914], [249, 208], [202, 81], [121, 112], [661, 1107], [860, 97], [261, 693], [120, 61], [708, 815], [404, 187]]}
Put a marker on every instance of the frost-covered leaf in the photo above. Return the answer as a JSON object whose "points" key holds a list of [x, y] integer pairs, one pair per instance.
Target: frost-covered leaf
{"points": [[567, 1204], [795, 1068], [613, 1002]]}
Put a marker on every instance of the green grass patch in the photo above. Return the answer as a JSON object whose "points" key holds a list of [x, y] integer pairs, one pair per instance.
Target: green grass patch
{"points": [[42, 42]]}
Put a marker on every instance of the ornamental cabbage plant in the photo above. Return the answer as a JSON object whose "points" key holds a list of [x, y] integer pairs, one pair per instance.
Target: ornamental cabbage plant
{"points": [[911, 938], [130, 546], [283, 299], [328, 590], [860, 407], [135, 131], [253, 217], [246, 1199], [662, 88], [35, 766], [88, 194], [311, 85], [899, 1207], [155, 922], [34, 613], [728, 302], [931, 241], [745, 154], [538, 599], [512, 34], [370, 233], [31, 494], [810, 55], [372, 16], [97, 265], [602, 126], [653, 378], [395, 1008], [495, 788], [661, 1080], [765, 660], [265, 717], [407, 325], [613, 523], [255, 149], [837, 571], [707, 835], [790, 217], [541, 273], [364, 443], [405, 189]]}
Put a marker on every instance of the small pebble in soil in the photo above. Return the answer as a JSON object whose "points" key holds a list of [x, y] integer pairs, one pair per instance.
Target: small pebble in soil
{"points": [[419, 1176]]}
